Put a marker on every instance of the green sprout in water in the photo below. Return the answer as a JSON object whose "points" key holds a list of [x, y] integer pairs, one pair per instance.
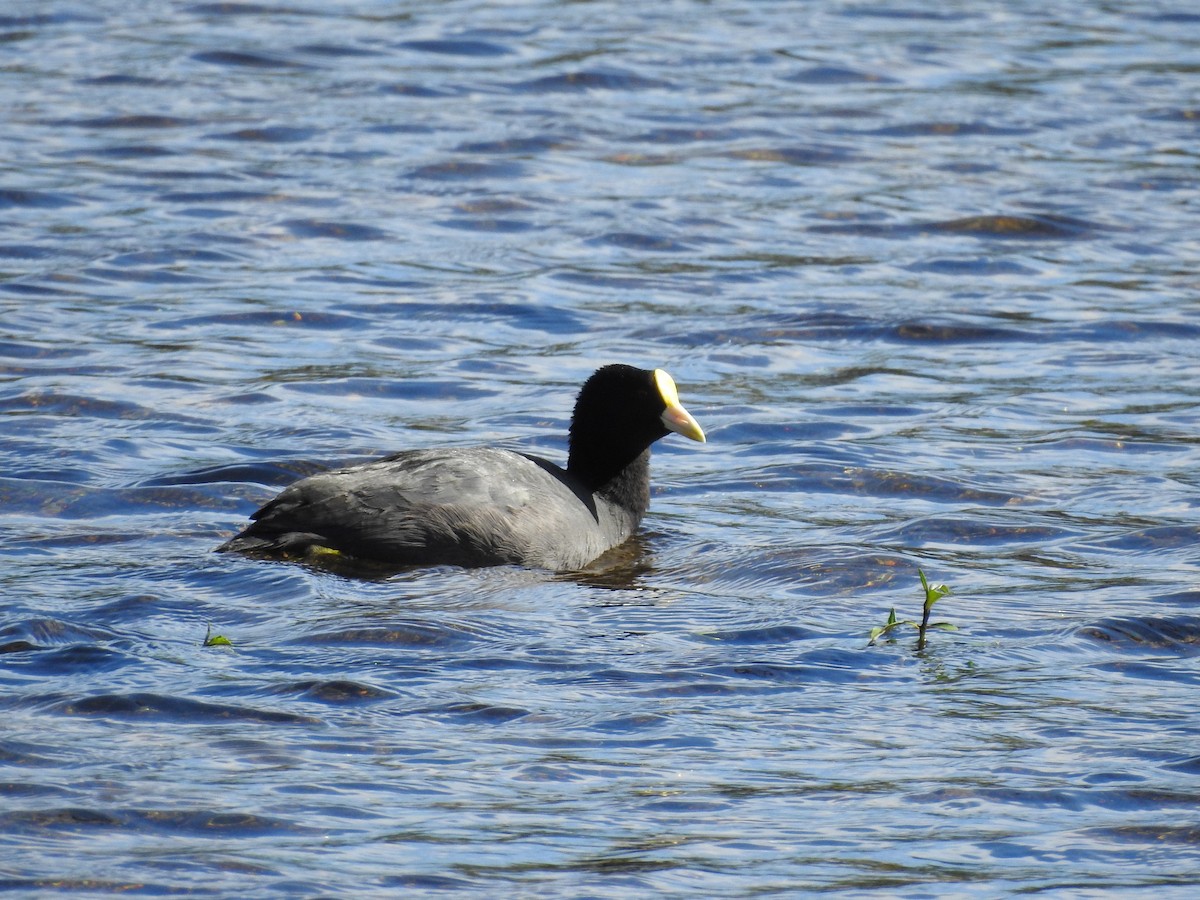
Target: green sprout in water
{"points": [[215, 640], [933, 593]]}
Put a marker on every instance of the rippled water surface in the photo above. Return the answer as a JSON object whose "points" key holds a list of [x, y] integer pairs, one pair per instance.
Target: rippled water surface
{"points": [[926, 273]]}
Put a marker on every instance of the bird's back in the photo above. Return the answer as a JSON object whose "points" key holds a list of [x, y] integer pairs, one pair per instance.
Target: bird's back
{"points": [[470, 507]]}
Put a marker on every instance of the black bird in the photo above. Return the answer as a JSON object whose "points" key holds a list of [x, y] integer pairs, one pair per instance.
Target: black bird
{"points": [[488, 507]]}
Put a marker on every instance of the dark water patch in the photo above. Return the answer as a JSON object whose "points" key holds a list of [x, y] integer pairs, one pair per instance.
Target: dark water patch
{"points": [[637, 724], [528, 146], [1122, 799], [457, 47], [783, 675], [49, 403], [419, 91], [482, 206], [1156, 539], [16, 753], [580, 82], [128, 121], [651, 243], [319, 321], [795, 261], [773, 327], [871, 411], [84, 887], [1124, 445], [173, 257], [27, 251], [487, 225], [180, 710], [903, 13], [964, 167], [274, 134], [1181, 598], [19, 789], [1151, 633], [49, 469], [1169, 673], [811, 155], [482, 713], [979, 266], [468, 170], [837, 75], [232, 9], [41, 633], [144, 276], [798, 570], [67, 501], [239, 60], [123, 79], [607, 281], [732, 680], [955, 333], [36, 290], [626, 158], [39, 20], [1050, 227], [37, 662], [1189, 765], [964, 531], [337, 50], [18, 198], [758, 635], [948, 129], [1170, 18], [125, 151], [80, 821], [64, 538], [17, 646], [997, 227], [438, 635], [394, 284], [227, 196], [769, 438], [13, 350], [862, 481], [334, 693], [539, 665], [679, 135], [1175, 115], [340, 231], [249, 398], [1122, 330], [180, 173]]}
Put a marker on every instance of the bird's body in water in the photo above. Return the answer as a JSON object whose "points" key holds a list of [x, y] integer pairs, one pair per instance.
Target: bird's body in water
{"points": [[484, 506]]}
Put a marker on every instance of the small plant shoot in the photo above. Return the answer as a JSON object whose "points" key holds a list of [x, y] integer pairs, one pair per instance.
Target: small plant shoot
{"points": [[933, 593], [215, 640]]}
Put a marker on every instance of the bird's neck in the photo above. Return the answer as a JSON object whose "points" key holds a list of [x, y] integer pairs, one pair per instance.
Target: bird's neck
{"points": [[625, 482]]}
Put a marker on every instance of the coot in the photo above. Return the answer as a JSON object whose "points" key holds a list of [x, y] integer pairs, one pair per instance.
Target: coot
{"points": [[488, 507]]}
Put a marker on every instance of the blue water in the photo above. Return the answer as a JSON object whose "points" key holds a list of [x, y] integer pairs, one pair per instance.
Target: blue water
{"points": [[926, 275]]}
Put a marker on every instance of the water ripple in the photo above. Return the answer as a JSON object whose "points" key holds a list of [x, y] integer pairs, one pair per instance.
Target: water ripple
{"points": [[936, 315]]}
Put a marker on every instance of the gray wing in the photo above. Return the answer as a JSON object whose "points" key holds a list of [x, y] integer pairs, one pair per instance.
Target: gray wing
{"points": [[471, 507]]}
